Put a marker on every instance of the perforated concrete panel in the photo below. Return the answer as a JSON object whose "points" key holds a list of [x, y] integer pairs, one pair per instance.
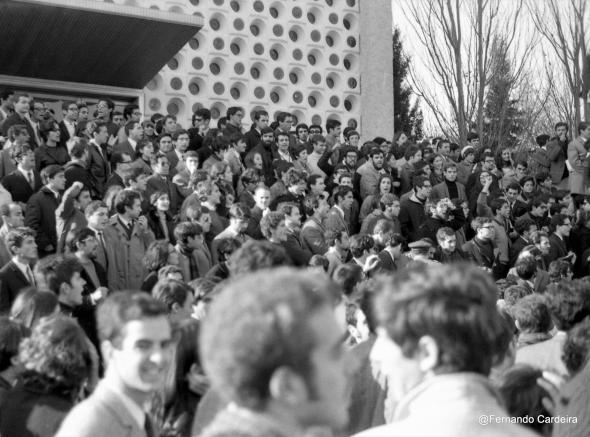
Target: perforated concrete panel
{"points": [[300, 56]]}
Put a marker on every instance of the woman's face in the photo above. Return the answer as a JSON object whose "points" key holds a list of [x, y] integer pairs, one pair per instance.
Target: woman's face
{"points": [[228, 175], [506, 155], [385, 186], [229, 200], [438, 163], [163, 203], [483, 177], [528, 187], [53, 134], [257, 160]]}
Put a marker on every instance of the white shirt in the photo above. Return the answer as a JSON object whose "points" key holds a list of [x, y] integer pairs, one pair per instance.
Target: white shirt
{"points": [[133, 143], [70, 126], [25, 269]]}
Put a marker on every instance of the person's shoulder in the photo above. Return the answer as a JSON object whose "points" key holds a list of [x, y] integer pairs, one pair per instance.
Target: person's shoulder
{"points": [[85, 419], [379, 431]]}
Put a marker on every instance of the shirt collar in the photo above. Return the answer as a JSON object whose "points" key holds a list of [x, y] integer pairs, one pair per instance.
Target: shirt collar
{"points": [[22, 267], [133, 409], [132, 142]]}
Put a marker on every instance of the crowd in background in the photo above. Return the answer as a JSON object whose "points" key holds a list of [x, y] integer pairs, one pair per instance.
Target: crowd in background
{"points": [[151, 277]]}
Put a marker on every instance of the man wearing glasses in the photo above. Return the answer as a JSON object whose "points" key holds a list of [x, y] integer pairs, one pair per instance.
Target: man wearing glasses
{"points": [[480, 248], [201, 120], [559, 240]]}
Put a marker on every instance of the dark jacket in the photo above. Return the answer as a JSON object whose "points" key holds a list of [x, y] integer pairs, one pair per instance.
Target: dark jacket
{"points": [[481, 252], [15, 119], [18, 186], [41, 218], [156, 226], [76, 172], [411, 216], [45, 156], [99, 168], [158, 183], [295, 250], [12, 281]]}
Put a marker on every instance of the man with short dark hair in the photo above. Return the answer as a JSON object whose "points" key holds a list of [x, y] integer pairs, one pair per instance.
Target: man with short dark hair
{"points": [[180, 141], [254, 135], [134, 132], [24, 181], [447, 251], [12, 217], [40, 212], [98, 164], [437, 340], [412, 209], [194, 257], [234, 114], [67, 127], [335, 220], [21, 116], [524, 227], [370, 172], [313, 231], [121, 165], [161, 181], [480, 248], [17, 274], [137, 346], [303, 383], [127, 237], [200, 127], [559, 239], [76, 170]]}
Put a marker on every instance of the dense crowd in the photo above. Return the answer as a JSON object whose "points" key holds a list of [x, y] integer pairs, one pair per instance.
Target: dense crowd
{"points": [[151, 280]]}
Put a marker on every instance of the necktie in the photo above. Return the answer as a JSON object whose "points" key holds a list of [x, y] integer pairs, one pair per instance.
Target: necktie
{"points": [[31, 179], [149, 427], [102, 253], [30, 276]]}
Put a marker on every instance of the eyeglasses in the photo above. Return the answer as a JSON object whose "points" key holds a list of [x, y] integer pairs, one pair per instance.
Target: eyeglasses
{"points": [[487, 227]]}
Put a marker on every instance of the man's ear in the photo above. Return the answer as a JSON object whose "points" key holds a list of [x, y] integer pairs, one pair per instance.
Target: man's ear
{"points": [[288, 387], [428, 352]]}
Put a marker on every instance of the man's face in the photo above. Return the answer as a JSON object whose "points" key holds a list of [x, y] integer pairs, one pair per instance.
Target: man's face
{"points": [[83, 114], [417, 157], [192, 164], [395, 208], [262, 198], [28, 249], [445, 148], [281, 232], [102, 135], [378, 161], [27, 160], [346, 203], [165, 144], [84, 199], [170, 125], [72, 112], [99, 219], [451, 174], [353, 140], [337, 131], [142, 359], [38, 111], [236, 119], [327, 403], [544, 245], [486, 232], [346, 181], [565, 228], [137, 132], [262, 122], [425, 191], [71, 294], [505, 211], [319, 148], [285, 125], [540, 210], [520, 171], [294, 219], [205, 222], [350, 159], [182, 143], [119, 120], [448, 244], [90, 247], [302, 134], [319, 186], [488, 164], [148, 151], [135, 210], [511, 194], [103, 110], [21, 106], [403, 373], [585, 133], [268, 138], [58, 182], [283, 143], [162, 167], [561, 132], [15, 219], [140, 183]]}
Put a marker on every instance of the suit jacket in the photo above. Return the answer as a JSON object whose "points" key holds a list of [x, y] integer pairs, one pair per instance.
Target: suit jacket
{"points": [[335, 222], [519, 244], [40, 217], [12, 281], [76, 172], [440, 191], [45, 156], [18, 186], [298, 254], [125, 147], [7, 164], [556, 156], [312, 237], [64, 133], [576, 155], [99, 168], [103, 414], [559, 248]]}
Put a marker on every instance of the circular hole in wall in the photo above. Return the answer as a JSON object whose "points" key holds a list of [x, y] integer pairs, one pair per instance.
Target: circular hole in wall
{"points": [[197, 63], [316, 119], [175, 107], [297, 54], [239, 68], [239, 24], [297, 12], [297, 97], [155, 83], [316, 78], [259, 92], [238, 90], [334, 101], [155, 104], [176, 83]]}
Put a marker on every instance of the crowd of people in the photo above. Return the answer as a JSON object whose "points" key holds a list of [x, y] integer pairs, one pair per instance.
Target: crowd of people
{"points": [[151, 280]]}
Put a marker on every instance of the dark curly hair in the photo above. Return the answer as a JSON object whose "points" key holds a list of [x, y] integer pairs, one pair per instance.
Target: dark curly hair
{"points": [[569, 303], [56, 357]]}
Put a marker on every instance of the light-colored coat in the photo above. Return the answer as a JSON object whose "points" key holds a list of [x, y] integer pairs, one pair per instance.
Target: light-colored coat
{"points": [[450, 405], [125, 256], [441, 191], [103, 414], [576, 156]]}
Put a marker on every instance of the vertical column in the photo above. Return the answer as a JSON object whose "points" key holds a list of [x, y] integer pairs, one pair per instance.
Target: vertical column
{"points": [[376, 68]]}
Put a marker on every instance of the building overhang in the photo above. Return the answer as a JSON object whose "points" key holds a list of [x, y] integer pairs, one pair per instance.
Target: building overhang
{"points": [[89, 42]]}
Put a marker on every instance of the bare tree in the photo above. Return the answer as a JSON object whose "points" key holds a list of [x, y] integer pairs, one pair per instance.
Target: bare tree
{"points": [[562, 25], [457, 36]]}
